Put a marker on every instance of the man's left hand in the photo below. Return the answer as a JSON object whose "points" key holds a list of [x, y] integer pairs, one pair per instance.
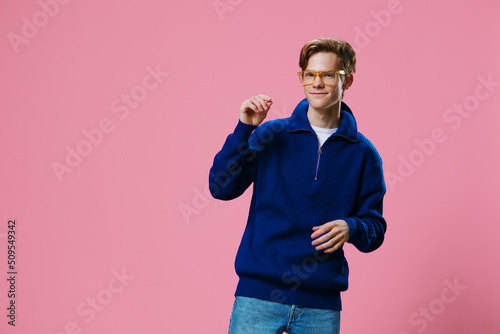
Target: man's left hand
{"points": [[330, 236]]}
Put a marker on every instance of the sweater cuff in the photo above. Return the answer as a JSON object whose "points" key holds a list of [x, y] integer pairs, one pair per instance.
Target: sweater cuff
{"points": [[243, 131], [353, 229]]}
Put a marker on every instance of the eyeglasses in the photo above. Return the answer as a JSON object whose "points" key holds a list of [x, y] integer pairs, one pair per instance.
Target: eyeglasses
{"points": [[328, 78]]}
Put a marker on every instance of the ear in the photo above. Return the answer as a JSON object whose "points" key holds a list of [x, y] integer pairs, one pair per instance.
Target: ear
{"points": [[348, 81]]}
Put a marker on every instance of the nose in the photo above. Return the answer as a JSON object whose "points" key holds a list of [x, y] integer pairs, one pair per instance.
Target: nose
{"points": [[317, 82]]}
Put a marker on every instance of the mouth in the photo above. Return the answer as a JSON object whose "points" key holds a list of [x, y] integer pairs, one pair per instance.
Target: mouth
{"points": [[317, 93]]}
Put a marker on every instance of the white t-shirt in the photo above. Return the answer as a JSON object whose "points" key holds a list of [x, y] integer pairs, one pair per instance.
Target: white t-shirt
{"points": [[323, 133]]}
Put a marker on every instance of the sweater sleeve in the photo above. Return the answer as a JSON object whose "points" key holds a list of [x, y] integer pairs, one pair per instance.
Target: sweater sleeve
{"points": [[235, 166], [367, 227]]}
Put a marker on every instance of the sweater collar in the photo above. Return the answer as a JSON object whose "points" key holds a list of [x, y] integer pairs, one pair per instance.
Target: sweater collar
{"points": [[348, 127]]}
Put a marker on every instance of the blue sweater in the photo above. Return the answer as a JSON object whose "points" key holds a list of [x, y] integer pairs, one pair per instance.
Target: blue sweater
{"points": [[298, 185]]}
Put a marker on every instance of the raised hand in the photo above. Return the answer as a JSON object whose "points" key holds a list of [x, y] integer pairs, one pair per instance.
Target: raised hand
{"points": [[254, 110]]}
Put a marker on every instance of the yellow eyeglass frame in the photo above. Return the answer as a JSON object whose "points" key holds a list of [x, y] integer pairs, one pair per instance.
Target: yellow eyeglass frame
{"points": [[318, 74]]}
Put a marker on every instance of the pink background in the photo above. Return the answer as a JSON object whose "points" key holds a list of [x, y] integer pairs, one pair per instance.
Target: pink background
{"points": [[135, 204]]}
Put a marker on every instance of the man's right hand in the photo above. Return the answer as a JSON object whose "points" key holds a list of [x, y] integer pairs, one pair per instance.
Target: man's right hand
{"points": [[254, 110]]}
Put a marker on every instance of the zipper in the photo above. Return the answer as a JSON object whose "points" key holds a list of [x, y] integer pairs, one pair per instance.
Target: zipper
{"points": [[319, 147], [317, 163]]}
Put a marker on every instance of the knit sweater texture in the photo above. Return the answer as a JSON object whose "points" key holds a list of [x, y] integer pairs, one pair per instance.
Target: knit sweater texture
{"points": [[297, 185]]}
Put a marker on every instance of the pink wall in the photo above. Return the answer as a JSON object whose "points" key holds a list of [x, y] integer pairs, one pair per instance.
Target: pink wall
{"points": [[111, 115]]}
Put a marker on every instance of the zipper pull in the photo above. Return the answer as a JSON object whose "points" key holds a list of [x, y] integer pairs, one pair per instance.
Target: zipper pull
{"points": [[317, 163]]}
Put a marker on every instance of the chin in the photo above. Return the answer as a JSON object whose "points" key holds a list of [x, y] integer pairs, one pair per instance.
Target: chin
{"points": [[322, 106], [319, 103]]}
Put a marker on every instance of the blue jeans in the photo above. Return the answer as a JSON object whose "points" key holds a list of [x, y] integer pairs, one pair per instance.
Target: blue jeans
{"points": [[256, 316]]}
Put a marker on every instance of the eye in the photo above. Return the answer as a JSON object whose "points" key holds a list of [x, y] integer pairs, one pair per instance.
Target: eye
{"points": [[308, 74]]}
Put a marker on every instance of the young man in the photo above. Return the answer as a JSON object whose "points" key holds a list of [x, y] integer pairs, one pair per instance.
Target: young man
{"points": [[317, 184]]}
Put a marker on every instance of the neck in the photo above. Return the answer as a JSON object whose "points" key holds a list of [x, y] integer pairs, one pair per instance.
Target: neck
{"points": [[324, 118]]}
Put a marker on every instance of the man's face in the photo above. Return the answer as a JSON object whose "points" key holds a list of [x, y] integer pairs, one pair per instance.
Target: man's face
{"points": [[319, 95]]}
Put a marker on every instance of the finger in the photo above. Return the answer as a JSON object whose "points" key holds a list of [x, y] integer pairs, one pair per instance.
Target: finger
{"points": [[335, 235], [335, 247], [265, 101], [319, 230], [265, 97], [255, 106], [263, 105], [328, 244], [338, 241], [258, 104], [324, 238], [248, 106], [332, 244]]}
